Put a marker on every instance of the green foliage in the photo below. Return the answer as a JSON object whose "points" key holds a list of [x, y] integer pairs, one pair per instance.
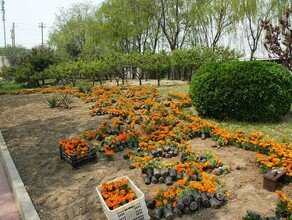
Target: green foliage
{"points": [[8, 73], [252, 216], [244, 91], [69, 71], [13, 54], [74, 32], [63, 100], [282, 209], [52, 102], [28, 66], [9, 85], [84, 89], [157, 64], [95, 70], [189, 60]]}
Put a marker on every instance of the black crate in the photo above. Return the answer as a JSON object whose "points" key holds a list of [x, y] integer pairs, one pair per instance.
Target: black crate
{"points": [[75, 162]]}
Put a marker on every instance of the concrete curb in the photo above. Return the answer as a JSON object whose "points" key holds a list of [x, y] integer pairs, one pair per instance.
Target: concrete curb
{"points": [[23, 201]]}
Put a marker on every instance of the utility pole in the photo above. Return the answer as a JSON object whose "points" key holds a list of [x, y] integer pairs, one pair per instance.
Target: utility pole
{"points": [[42, 26], [3, 19], [13, 35]]}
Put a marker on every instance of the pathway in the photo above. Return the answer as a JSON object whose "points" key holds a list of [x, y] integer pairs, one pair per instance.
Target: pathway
{"points": [[8, 209]]}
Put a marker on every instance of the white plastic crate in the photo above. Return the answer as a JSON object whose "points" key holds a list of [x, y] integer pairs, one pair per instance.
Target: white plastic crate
{"points": [[135, 210]]}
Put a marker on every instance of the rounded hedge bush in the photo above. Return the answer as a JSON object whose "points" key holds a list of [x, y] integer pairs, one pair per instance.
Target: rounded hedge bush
{"points": [[244, 91]]}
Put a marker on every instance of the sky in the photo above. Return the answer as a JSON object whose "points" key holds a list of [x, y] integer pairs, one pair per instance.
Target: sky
{"points": [[28, 15]]}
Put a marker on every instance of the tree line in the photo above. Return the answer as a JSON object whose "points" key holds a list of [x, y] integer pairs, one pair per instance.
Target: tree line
{"points": [[86, 30], [42, 63], [146, 39]]}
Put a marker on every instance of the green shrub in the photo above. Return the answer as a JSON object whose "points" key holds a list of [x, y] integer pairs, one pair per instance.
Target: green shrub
{"points": [[245, 91], [52, 102], [63, 100], [252, 216]]}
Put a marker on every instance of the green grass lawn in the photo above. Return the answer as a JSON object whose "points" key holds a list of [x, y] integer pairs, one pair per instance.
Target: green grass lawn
{"points": [[10, 86], [280, 132], [179, 88]]}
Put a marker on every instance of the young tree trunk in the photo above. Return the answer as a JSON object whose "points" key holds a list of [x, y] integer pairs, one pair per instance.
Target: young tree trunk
{"points": [[158, 78]]}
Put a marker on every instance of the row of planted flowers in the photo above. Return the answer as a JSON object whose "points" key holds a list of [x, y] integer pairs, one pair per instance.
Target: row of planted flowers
{"points": [[157, 127]]}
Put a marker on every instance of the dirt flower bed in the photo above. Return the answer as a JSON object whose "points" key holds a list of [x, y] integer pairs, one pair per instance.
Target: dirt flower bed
{"points": [[32, 132]]}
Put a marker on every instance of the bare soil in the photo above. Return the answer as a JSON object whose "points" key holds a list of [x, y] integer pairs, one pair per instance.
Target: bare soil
{"points": [[32, 131]]}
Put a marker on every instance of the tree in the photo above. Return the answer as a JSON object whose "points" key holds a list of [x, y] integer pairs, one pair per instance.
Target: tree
{"points": [[126, 26], [146, 34], [188, 61], [30, 68], [278, 39], [253, 12], [174, 19], [8, 73], [70, 71], [95, 70], [213, 19], [13, 54], [157, 63], [40, 58], [73, 30], [116, 66]]}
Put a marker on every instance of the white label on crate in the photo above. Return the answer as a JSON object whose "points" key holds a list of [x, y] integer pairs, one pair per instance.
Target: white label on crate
{"points": [[130, 213]]}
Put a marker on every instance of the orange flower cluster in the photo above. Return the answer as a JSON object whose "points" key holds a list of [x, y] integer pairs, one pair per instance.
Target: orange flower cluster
{"points": [[185, 100], [76, 147], [117, 193], [284, 204], [208, 184], [138, 161], [280, 155], [189, 167], [164, 196], [90, 135], [50, 89]]}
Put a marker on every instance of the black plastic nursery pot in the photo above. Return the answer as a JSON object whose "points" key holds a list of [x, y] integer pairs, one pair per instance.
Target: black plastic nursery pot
{"points": [[75, 161]]}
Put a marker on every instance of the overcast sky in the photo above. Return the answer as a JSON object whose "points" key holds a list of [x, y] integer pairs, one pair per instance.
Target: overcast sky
{"points": [[27, 16]]}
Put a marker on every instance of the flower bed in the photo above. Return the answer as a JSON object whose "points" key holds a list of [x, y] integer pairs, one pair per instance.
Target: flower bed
{"points": [[157, 128], [163, 130]]}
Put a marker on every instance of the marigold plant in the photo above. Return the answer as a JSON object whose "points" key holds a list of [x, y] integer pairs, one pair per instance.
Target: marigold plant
{"points": [[117, 193], [76, 147], [284, 205]]}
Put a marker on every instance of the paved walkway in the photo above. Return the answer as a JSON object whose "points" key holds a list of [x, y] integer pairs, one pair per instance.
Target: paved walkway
{"points": [[15, 203], [8, 209]]}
